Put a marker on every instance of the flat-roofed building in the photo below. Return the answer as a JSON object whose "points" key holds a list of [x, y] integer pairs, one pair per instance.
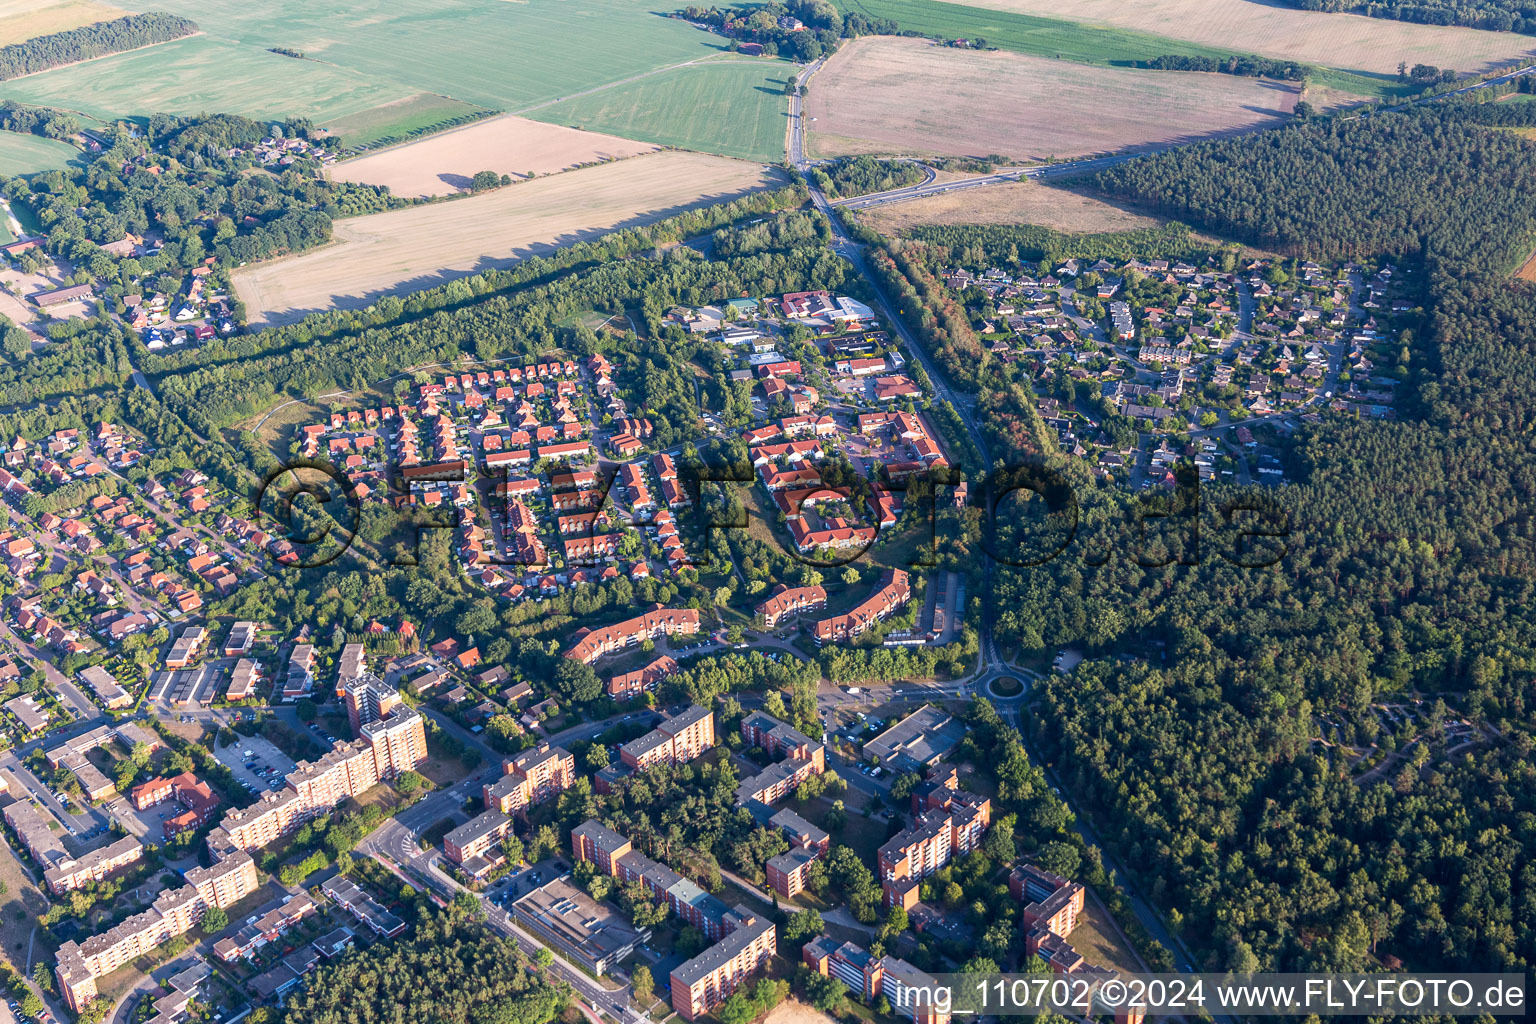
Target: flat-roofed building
{"points": [[532, 777], [94, 866], [242, 636], [592, 933], [676, 740], [186, 647], [706, 981], [476, 838], [917, 741], [107, 689]]}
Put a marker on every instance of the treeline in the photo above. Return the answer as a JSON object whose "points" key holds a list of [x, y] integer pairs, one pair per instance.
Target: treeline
{"points": [[802, 30], [1243, 65], [43, 121], [89, 41], [859, 175], [1493, 15]]}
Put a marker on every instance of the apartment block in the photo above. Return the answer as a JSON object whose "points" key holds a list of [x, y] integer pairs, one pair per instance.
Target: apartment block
{"points": [[93, 866], [592, 644], [366, 696], [1050, 901], [788, 871], [950, 823], [532, 777], [803, 757], [470, 845], [706, 981], [614, 855], [911, 992], [676, 740], [893, 591], [173, 913], [787, 601]]}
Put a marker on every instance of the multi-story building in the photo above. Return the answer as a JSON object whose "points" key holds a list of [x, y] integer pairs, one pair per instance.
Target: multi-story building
{"points": [[787, 601], [803, 757], [893, 592], [470, 845], [173, 913], [950, 822], [676, 740], [911, 993], [613, 855], [1050, 901], [94, 866], [592, 644], [787, 872], [367, 698], [532, 777], [632, 684], [701, 984]]}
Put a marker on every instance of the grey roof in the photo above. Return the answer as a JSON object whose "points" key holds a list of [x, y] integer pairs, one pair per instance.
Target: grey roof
{"points": [[601, 836], [724, 950]]}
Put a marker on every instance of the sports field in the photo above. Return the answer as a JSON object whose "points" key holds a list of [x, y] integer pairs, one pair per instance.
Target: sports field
{"points": [[734, 108], [442, 164], [1348, 41], [203, 74], [405, 250], [27, 154], [911, 96], [23, 19]]}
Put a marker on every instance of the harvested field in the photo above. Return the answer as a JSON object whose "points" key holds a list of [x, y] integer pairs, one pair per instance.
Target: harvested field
{"points": [[1350, 41], [405, 250], [1024, 202], [444, 163], [911, 96], [21, 20]]}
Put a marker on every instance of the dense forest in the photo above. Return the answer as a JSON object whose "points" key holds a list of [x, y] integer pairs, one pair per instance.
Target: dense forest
{"points": [[1228, 676], [1495, 15], [451, 968], [859, 175], [88, 41]]}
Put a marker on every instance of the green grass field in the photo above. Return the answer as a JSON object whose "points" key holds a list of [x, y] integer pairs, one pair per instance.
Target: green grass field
{"points": [[1070, 40], [202, 74], [733, 108], [395, 120], [27, 154], [498, 54], [1025, 33]]}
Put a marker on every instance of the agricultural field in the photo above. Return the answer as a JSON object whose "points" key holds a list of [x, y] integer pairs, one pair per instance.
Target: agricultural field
{"points": [[201, 74], [442, 164], [1024, 202], [397, 119], [426, 245], [21, 20], [733, 108], [910, 96], [28, 154], [493, 54], [1349, 41], [1076, 40]]}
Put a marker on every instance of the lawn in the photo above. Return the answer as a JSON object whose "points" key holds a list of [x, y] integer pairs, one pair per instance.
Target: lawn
{"points": [[28, 154], [733, 108], [202, 74]]}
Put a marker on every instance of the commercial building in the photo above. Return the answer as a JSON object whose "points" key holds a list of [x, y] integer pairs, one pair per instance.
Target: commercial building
{"points": [[703, 983], [196, 797], [917, 741], [532, 777], [107, 689], [592, 933], [592, 644], [893, 592]]}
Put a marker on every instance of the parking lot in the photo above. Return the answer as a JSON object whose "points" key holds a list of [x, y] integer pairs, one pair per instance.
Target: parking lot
{"points": [[256, 763]]}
